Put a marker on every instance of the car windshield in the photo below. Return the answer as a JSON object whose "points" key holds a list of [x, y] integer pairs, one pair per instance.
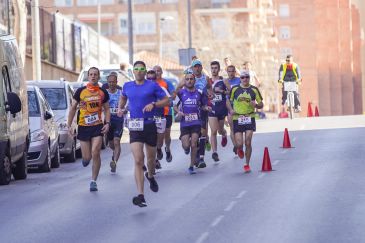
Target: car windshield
{"points": [[56, 98], [33, 106]]}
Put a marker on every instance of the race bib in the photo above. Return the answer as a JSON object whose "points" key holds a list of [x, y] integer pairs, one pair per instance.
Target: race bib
{"points": [[158, 121], [244, 120], [191, 117], [136, 124], [113, 111], [91, 119], [217, 98]]}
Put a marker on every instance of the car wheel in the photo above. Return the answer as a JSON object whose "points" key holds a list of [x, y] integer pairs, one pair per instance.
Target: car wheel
{"points": [[46, 167], [72, 156], [55, 163], [20, 171], [5, 169]]}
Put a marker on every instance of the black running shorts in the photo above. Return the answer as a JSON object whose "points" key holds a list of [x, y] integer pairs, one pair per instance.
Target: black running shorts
{"points": [[243, 128], [147, 136], [168, 121], [86, 133]]}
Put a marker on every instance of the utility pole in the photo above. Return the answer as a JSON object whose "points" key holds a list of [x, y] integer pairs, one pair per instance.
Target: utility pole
{"points": [[99, 31], [189, 24], [36, 43], [130, 32]]}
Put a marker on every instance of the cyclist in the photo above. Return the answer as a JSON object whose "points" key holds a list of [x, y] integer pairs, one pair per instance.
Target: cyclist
{"points": [[91, 100], [245, 98], [290, 72]]}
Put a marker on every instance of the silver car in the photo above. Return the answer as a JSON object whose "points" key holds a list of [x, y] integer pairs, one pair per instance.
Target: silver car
{"points": [[59, 95], [43, 152]]}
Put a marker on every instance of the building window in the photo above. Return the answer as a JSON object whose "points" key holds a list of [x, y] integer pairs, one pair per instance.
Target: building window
{"points": [[143, 24], [284, 10], [220, 28], [169, 22], [63, 3], [220, 1], [168, 1], [284, 32], [94, 2]]}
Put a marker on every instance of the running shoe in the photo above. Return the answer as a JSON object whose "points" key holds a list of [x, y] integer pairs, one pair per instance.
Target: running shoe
{"points": [[113, 166], [159, 154], [240, 153], [191, 170], [215, 157], [187, 151], [85, 163], [168, 155], [144, 168], [235, 150], [93, 186], [139, 201], [224, 141], [208, 147], [153, 183], [158, 165], [247, 168], [201, 163]]}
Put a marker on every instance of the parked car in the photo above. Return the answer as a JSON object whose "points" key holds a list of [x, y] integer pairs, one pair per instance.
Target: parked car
{"points": [[43, 152], [76, 85], [59, 95], [14, 127]]}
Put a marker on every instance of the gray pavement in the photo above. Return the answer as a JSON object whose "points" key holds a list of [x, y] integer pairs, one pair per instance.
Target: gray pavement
{"points": [[314, 194]]}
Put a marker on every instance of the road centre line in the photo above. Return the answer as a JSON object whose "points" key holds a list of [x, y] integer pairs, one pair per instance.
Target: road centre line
{"points": [[276, 162], [240, 195], [202, 237], [217, 221], [230, 206], [294, 139], [284, 151], [261, 175]]}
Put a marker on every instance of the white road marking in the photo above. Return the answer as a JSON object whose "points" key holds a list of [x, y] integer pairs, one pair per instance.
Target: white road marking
{"points": [[217, 221], [276, 162], [261, 175], [203, 237], [230, 206], [294, 139], [240, 195], [284, 151]]}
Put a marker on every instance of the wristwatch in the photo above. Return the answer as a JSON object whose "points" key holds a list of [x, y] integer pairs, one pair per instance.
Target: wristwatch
{"points": [[154, 104], [107, 123]]}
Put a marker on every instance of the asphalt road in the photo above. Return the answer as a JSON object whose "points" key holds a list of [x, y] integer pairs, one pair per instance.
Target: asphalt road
{"points": [[315, 194]]}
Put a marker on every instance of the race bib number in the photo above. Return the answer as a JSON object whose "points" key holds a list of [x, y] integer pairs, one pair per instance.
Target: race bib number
{"points": [[191, 117], [113, 111], [158, 122], [135, 124], [91, 119], [217, 97], [244, 120]]}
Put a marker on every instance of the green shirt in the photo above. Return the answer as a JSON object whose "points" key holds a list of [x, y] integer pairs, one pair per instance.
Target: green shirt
{"points": [[241, 100]]}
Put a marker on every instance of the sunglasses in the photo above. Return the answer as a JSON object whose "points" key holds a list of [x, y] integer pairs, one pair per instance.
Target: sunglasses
{"points": [[243, 77], [187, 79], [287, 60], [139, 69]]}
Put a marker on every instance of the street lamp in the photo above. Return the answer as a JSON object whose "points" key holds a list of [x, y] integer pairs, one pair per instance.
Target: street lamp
{"points": [[162, 19]]}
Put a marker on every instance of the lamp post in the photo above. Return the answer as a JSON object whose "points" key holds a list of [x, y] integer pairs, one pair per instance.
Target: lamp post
{"points": [[130, 32], [163, 19], [99, 31]]}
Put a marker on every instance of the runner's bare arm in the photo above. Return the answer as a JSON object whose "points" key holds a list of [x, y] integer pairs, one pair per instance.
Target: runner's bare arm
{"points": [[106, 126], [71, 115], [161, 103], [229, 107]]}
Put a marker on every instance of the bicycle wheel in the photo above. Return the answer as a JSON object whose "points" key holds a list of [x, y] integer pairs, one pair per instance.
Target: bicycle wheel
{"points": [[291, 104]]}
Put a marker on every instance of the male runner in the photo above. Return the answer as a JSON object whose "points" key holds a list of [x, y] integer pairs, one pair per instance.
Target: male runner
{"points": [[192, 102], [143, 96], [92, 100], [219, 109], [245, 99], [116, 123]]}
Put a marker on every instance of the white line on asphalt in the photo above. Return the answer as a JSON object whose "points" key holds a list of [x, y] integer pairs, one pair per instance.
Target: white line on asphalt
{"points": [[261, 175], [276, 162], [217, 221], [294, 139], [240, 195], [230, 206], [203, 237], [284, 151]]}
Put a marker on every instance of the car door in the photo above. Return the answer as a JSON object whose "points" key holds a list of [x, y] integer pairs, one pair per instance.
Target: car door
{"points": [[47, 123], [11, 119]]}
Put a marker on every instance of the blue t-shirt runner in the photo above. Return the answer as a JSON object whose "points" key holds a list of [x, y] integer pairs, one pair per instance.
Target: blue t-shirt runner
{"points": [[219, 108], [234, 81]]}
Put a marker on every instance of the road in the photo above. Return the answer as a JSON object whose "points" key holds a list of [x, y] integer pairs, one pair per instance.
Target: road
{"points": [[315, 194]]}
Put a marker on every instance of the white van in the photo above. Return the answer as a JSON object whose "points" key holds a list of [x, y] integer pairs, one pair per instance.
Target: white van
{"points": [[14, 127]]}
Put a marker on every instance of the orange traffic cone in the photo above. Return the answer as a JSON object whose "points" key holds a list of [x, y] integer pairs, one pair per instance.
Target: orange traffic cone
{"points": [[266, 163], [310, 112], [316, 112], [286, 142]]}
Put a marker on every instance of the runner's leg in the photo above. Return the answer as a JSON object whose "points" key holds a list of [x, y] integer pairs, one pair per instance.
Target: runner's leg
{"points": [[96, 148], [137, 151], [248, 139]]}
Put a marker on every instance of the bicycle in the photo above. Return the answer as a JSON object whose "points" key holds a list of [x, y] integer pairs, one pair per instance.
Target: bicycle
{"points": [[290, 87]]}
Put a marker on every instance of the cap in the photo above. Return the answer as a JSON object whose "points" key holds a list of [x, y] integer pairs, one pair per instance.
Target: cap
{"points": [[196, 62], [245, 73]]}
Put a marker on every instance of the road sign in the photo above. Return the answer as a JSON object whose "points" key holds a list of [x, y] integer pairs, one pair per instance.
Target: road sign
{"points": [[185, 56]]}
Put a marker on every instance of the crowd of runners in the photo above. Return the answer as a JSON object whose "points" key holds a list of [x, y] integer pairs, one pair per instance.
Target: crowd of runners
{"points": [[146, 106]]}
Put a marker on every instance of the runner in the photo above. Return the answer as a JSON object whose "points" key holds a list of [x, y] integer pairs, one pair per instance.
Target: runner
{"points": [[91, 100], [192, 101], [245, 98], [219, 109], [142, 95], [116, 123], [230, 82]]}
